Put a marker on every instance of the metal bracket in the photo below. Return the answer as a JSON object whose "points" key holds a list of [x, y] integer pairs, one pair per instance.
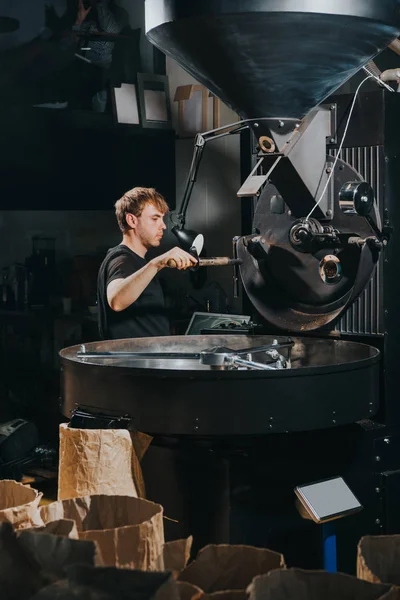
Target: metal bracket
{"points": [[253, 183], [221, 357], [331, 139]]}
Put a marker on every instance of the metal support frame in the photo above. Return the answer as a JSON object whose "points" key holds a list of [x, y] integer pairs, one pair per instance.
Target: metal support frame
{"points": [[299, 177], [213, 134]]}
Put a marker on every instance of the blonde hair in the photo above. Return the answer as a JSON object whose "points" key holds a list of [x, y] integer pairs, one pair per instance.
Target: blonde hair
{"points": [[134, 201]]}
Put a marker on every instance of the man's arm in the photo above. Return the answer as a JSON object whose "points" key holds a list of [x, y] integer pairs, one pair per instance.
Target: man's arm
{"points": [[121, 293]]}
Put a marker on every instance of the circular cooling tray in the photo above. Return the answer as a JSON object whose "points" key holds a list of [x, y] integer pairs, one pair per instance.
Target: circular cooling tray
{"points": [[331, 382]]}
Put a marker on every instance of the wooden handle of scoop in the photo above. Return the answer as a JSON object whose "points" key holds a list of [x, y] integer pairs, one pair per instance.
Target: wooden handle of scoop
{"points": [[217, 261]]}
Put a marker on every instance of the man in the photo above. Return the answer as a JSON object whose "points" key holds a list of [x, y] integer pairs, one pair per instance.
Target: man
{"points": [[129, 296]]}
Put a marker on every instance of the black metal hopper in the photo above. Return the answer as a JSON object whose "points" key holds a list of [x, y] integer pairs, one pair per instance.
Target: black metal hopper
{"points": [[272, 58]]}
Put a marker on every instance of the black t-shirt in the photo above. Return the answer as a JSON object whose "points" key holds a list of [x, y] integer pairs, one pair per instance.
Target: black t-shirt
{"points": [[146, 317]]}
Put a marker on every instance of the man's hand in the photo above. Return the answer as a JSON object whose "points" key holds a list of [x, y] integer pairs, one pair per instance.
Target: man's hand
{"points": [[82, 13], [183, 260]]}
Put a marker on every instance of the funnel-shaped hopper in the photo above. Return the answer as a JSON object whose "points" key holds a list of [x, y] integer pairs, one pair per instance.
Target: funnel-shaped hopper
{"points": [[272, 58]]}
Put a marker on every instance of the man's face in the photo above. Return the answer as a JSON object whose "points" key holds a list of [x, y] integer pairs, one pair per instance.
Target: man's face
{"points": [[150, 226]]}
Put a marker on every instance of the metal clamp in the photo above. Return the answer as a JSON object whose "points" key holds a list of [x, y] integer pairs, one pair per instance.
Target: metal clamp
{"points": [[220, 357]]}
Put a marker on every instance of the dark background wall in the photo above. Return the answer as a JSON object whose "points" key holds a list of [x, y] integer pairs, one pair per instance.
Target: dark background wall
{"points": [[57, 164]]}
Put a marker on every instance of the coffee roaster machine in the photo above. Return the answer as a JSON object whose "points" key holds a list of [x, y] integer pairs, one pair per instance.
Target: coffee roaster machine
{"points": [[239, 421]]}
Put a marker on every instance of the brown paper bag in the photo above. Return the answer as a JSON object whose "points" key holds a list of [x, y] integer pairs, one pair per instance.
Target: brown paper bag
{"points": [[19, 505], [19, 577], [314, 585], [63, 528], [95, 461], [378, 559], [177, 554], [232, 595], [223, 567], [168, 591], [30, 560], [392, 594], [85, 583], [188, 591], [129, 531], [141, 442], [54, 554]]}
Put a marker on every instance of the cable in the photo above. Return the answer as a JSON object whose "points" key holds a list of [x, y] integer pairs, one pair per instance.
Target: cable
{"points": [[340, 147]]}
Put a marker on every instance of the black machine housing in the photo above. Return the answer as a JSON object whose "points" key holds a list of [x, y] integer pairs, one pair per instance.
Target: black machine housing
{"points": [[367, 453], [370, 152]]}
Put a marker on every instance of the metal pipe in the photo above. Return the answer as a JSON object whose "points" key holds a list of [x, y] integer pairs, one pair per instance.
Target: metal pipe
{"points": [[139, 355], [235, 268], [241, 362]]}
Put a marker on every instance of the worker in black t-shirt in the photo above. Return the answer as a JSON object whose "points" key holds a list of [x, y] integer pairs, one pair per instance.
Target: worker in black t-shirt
{"points": [[129, 296]]}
